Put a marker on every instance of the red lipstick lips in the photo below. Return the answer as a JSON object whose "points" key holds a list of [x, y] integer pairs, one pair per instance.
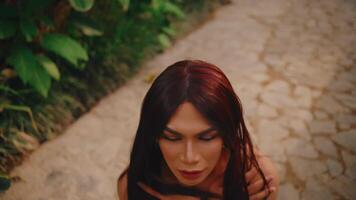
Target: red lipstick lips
{"points": [[191, 175]]}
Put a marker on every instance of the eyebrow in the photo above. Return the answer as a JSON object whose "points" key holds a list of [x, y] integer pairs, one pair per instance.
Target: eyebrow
{"points": [[199, 133]]}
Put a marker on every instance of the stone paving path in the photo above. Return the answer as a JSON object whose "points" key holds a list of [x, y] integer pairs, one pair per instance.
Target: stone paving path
{"points": [[292, 62]]}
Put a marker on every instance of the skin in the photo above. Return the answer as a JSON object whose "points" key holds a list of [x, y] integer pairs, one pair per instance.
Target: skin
{"points": [[190, 143]]}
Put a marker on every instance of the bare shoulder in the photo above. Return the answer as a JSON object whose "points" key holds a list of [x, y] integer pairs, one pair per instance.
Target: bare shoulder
{"points": [[269, 169], [122, 187]]}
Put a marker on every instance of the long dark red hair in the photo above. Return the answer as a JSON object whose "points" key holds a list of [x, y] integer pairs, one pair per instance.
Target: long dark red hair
{"points": [[208, 89]]}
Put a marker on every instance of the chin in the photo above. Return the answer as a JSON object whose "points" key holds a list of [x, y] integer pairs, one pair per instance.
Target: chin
{"points": [[190, 183]]}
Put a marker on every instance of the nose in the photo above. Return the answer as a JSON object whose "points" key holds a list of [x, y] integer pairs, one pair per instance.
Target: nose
{"points": [[190, 155]]}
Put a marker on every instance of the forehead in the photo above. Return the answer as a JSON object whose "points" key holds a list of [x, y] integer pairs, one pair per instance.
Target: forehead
{"points": [[188, 120]]}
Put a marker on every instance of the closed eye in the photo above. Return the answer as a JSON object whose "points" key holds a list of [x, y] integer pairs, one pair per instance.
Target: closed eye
{"points": [[170, 137], [208, 137]]}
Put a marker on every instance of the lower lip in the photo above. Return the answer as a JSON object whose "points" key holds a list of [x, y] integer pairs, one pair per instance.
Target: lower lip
{"points": [[191, 175]]}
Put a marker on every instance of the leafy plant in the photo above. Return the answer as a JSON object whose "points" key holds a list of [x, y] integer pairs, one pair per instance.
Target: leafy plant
{"points": [[125, 4], [88, 47], [26, 109], [34, 39], [29, 69], [65, 47], [160, 9], [82, 5]]}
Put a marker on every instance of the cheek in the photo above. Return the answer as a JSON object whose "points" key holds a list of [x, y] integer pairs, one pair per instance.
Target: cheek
{"points": [[169, 151], [211, 152]]}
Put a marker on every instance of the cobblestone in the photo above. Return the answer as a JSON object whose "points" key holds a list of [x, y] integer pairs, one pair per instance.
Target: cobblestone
{"points": [[334, 167], [299, 147], [306, 168], [316, 191], [350, 162], [288, 191], [322, 127], [325, 146], [292, 63], [346, 139], [267, 111], [299, 128]]}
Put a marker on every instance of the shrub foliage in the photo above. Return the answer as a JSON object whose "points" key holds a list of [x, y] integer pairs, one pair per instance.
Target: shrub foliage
{"points": [[58, 57]]}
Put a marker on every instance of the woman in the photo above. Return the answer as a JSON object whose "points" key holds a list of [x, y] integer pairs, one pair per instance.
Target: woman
{"points": [[192, 141]]}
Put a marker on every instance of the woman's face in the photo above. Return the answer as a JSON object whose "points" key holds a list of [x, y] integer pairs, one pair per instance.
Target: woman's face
{"points": [[190, 146]]}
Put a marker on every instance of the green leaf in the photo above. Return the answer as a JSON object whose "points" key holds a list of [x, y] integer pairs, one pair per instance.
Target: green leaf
{"points": [[156, 4], [89, 30], [169, 31], [49, 65], [173, 9], [7, 29], [28, 29], [22, 60], [65, 47], [125, 4], [164, 40], [164, 6], [5, 183], [81, 5], [29, 69], [87, 26]]}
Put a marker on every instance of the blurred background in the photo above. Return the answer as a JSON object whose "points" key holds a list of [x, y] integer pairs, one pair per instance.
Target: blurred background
{"points": [[73, 74]]}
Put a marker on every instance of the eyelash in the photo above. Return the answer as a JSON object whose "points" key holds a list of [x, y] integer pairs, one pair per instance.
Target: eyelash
{"points": [[208, 138], [177, 138], [171, 139]]}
